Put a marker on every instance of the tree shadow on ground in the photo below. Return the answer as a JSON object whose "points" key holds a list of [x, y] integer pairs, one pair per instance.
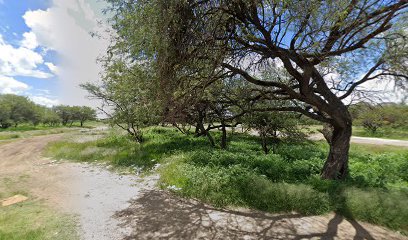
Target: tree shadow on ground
{"points": [[161, 215]]}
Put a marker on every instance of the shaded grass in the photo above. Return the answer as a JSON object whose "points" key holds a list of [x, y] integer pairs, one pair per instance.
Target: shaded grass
{"points": [[288, 180]]}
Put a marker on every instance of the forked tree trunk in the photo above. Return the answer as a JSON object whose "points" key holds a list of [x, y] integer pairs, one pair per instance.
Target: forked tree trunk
{"points": [[210, 138], [336, 165]]}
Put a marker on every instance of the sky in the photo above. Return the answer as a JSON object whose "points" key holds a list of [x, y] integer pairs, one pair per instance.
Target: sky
{"points": [[46, 49]]}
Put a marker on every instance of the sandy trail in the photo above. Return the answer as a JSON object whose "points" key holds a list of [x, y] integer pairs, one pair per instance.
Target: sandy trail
{"points": [[110, 206]]}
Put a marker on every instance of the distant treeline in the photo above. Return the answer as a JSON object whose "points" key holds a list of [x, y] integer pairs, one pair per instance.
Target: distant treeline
{"points": [[15, 110], [372, 117]]}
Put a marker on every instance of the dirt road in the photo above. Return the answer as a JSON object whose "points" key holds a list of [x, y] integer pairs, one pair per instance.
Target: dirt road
{"points": [[110, 206], [367, 140]]}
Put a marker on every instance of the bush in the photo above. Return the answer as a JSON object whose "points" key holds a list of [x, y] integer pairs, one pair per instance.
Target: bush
{"points": [[378, 170], [237, 185]]}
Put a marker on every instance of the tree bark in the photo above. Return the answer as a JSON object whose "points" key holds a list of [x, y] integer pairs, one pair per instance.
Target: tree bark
{"points": [[336, 165], [197, 130], [223, 136], [264, 143]]}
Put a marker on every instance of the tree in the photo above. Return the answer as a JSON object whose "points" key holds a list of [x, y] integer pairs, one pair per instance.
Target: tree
{"points": [[373, 117], [274, 127], [65, 113], [309, 40], [5, 113], [84, 113], [323, 49], [17, 109], [128, 95], [372, 120], [50, 117]]}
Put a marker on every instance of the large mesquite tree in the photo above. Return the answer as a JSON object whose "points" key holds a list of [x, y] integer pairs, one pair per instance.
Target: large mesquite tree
{"points": [[323, 50], [327, 48]]}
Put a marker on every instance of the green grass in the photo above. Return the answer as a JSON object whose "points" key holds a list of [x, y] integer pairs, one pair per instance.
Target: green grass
{"points": [[29, 127], [242, 175], [30, 131], [31, 219], [9, 136], [385, 132]]}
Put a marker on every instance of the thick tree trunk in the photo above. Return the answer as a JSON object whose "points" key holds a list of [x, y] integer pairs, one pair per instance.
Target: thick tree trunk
{"points": [[82, 123], [336, 165], [197, 130], [264, 143], [223, 136], [200, 129]]}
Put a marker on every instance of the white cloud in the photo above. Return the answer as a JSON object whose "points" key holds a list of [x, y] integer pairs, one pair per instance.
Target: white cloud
{"points": [[45, 101], [384, 90], [54, 69], [65, 28], [10, 85], [20, 61], [29, 40]]}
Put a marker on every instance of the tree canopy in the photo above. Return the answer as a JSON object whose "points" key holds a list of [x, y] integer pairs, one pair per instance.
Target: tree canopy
{"points": [[15, 110], [308, 57]]}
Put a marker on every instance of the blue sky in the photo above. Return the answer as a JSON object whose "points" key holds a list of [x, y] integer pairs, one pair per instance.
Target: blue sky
{"points": [[46, 50]]}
